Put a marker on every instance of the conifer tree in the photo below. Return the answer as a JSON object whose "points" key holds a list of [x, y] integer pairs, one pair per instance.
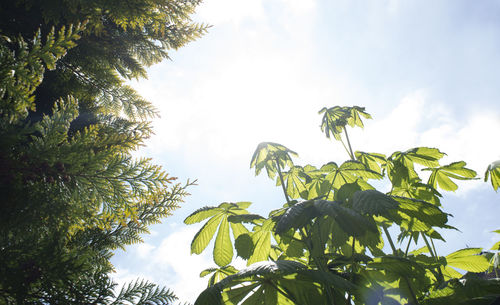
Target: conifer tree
{"points": [[71, 190]]}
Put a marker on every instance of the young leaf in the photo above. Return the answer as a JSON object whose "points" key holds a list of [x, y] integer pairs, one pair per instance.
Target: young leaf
{"points": [[267, 154], [334, 120]]}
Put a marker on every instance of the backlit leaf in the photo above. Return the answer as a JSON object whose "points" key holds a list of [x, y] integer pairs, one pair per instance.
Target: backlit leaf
{"points": [[205, 235], [441, 175], [223, 249], [468, 259]]}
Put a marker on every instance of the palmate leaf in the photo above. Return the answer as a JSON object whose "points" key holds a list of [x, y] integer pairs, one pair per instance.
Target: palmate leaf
{"points": [[414, 188], [375, 203], [223, 248], [279, 282], [493, 171], [295, 181], [355, 117], [261, 239], [348, 220], [418, 215], [441, 175], [267, 154], [468, 259], [400, 165], [218, 274], [336, 118], [317, 185], [371, 160], [349, 172], [255, 276]]}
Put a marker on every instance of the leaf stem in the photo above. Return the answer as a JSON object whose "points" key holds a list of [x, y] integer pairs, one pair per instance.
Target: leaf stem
{"points": [[282, 181], [433, 253], [349, 143], [389, 238], [408, 246], [394, 251]]}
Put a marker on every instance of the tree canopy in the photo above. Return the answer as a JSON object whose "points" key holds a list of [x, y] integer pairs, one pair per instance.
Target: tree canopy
{"points": [[71, 190]]}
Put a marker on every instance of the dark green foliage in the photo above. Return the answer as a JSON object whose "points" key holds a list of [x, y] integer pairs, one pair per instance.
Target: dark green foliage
{"points": [[329, 248], [71, 190]]}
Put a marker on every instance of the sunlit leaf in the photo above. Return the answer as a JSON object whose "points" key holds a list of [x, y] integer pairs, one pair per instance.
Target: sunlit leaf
{"points": [[295, 181], [205, 234], [261, 239], [372, 161], [218, 273], [441, 175], [268, 154], [419, 215], [223, 217], [334, 120], [202, 214], [223, 248], [468, 259]]}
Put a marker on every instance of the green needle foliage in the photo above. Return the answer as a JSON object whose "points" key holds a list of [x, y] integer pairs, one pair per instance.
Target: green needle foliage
{"points": [[328, 243], [71, 190]]}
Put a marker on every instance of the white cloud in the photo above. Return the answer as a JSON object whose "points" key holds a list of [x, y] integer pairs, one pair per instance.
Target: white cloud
{"points": [[173, 254], [230, 11]]}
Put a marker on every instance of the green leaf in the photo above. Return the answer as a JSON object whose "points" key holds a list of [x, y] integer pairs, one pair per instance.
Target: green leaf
{"points": [[267, 154], [400, 165], [371, 160], [336, 118], [201, 214], [205, 234], [218, 274], [493, 170], [419, 215], [373, 202], [349, 172], [468, 259], [261, 239], [223, 249], [456, 170], [244, 246], [295, 181]]}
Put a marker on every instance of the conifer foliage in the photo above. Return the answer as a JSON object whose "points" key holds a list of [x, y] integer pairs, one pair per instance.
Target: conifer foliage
{"points": [[70, 190]]}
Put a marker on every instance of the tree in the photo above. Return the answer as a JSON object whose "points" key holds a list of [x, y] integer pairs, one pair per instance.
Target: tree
{"points": [[71, 190], [328, 243]]}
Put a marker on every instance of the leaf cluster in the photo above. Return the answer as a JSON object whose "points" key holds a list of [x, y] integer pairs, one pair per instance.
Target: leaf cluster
{"points": [[331, 241]]}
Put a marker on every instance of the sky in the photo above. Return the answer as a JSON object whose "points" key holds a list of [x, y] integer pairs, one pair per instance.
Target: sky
{"points": [[427, 72]]}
